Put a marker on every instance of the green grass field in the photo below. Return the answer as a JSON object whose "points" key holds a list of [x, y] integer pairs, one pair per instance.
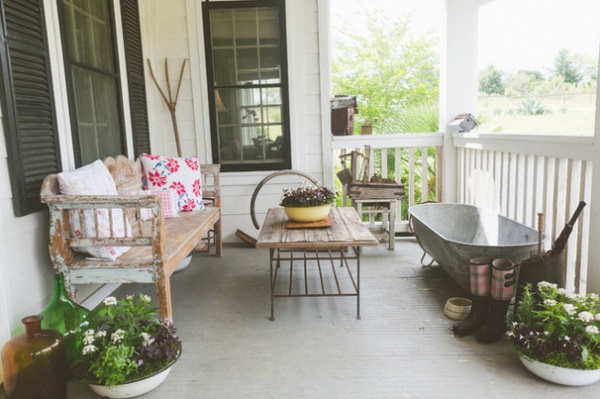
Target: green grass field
{"points": [[565, 114]]}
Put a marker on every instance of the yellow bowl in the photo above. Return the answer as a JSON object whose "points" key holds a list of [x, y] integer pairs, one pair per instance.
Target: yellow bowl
{"points": [[457, 308], [307, 214]]}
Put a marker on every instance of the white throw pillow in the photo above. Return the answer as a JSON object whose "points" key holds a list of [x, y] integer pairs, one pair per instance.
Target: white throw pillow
{"points": [[94, 179]]}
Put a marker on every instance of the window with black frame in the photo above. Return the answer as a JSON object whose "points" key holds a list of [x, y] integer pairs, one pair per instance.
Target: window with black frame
{"points": [[247, 74], [92, 78]]}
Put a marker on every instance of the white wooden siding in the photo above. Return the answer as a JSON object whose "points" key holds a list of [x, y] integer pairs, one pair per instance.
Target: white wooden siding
{"points": [[174, 30]]}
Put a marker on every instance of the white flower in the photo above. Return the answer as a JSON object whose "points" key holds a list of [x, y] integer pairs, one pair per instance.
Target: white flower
{"points": [[145, 298], [592, 330], [549, 302], [543, 284], [570, 295], [147, 338], [510, 334], [89, 332], [129, 297], [569, 308], [546, 333], [117, 336], [562, 291], [88, 349], [586, 317], [88, 339], [567, 338], [110, 301], [101, 334], [594, 296], [597, 317]]}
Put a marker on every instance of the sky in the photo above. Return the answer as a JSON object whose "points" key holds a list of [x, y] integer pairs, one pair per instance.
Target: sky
{"points": [[513, 34]]}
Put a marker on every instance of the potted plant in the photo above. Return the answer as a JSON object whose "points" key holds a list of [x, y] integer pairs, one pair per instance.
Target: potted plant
{"points": [[307, 204], [367, 127], [129, 351], [557, 334]]}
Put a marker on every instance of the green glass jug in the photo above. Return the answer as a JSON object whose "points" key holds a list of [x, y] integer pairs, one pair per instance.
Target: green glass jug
{"points": [[67, 317]]}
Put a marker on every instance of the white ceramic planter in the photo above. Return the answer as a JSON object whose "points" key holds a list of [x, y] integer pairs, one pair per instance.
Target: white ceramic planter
{"points": [[132, 389], [560, 375]]}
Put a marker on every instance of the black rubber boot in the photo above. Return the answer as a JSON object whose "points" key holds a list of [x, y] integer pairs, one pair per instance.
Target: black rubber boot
{"points": [[495, 327], [476, 318]]}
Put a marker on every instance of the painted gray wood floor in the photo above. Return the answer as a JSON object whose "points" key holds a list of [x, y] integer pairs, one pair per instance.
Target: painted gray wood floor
{"points": [[316, 348]]}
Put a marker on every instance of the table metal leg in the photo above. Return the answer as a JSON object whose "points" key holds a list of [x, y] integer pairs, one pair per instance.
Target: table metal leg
{"points": [[345, 258], [272, 282], [357, 251]]}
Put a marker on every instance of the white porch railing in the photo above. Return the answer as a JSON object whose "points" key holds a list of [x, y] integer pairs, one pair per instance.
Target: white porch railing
{"points": [[520, 175], [419, 172], [516, 175]]}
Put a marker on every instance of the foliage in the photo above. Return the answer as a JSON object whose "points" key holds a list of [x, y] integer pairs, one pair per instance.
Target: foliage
{"points": [[387, 69], [305, 196], [128, 343], [565, 66], [556, 327], [523, 82], [417, 118], [490, 80], [532, 106]]}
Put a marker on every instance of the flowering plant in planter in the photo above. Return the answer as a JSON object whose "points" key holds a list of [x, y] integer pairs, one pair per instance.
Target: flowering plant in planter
{"points": [[305, 196], [556, 327], [127, 343]]}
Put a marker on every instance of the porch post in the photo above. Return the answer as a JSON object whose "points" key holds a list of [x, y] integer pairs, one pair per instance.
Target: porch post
{"points": [[458, 82], [593, 272]]}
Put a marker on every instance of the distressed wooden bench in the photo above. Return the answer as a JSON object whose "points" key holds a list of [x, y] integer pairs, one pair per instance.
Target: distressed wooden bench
{"points": [[158, 246]]}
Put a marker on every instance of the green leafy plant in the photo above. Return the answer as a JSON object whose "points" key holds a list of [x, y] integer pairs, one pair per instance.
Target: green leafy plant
{"points": [[127, 343], [556, 327], [532, 106], [305, 196]]}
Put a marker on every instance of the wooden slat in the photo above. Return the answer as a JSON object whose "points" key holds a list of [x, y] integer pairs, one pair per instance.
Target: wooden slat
{"points": [[347, 230]]}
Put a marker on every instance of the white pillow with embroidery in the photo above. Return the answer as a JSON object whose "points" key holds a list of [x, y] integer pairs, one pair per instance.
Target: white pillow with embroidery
{"points": [[94, 179]]}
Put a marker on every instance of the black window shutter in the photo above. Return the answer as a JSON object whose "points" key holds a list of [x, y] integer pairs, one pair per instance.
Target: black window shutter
{"points": [[29, 115], [135, 76]]}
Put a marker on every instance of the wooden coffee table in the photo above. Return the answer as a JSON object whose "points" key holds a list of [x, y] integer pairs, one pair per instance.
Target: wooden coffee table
{"points": [[320, 261]]}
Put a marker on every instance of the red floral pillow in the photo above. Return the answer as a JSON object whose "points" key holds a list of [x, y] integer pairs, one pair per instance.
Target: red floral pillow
{"points": [[180, 174]]}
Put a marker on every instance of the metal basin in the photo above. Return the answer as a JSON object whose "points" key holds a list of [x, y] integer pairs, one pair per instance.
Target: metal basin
{"points": [[452, 234]]}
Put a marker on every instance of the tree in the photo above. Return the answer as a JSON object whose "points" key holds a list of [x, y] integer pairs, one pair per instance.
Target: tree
{"points": [[490, 80], [523, 82], [386, 68], [565, 66]]}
